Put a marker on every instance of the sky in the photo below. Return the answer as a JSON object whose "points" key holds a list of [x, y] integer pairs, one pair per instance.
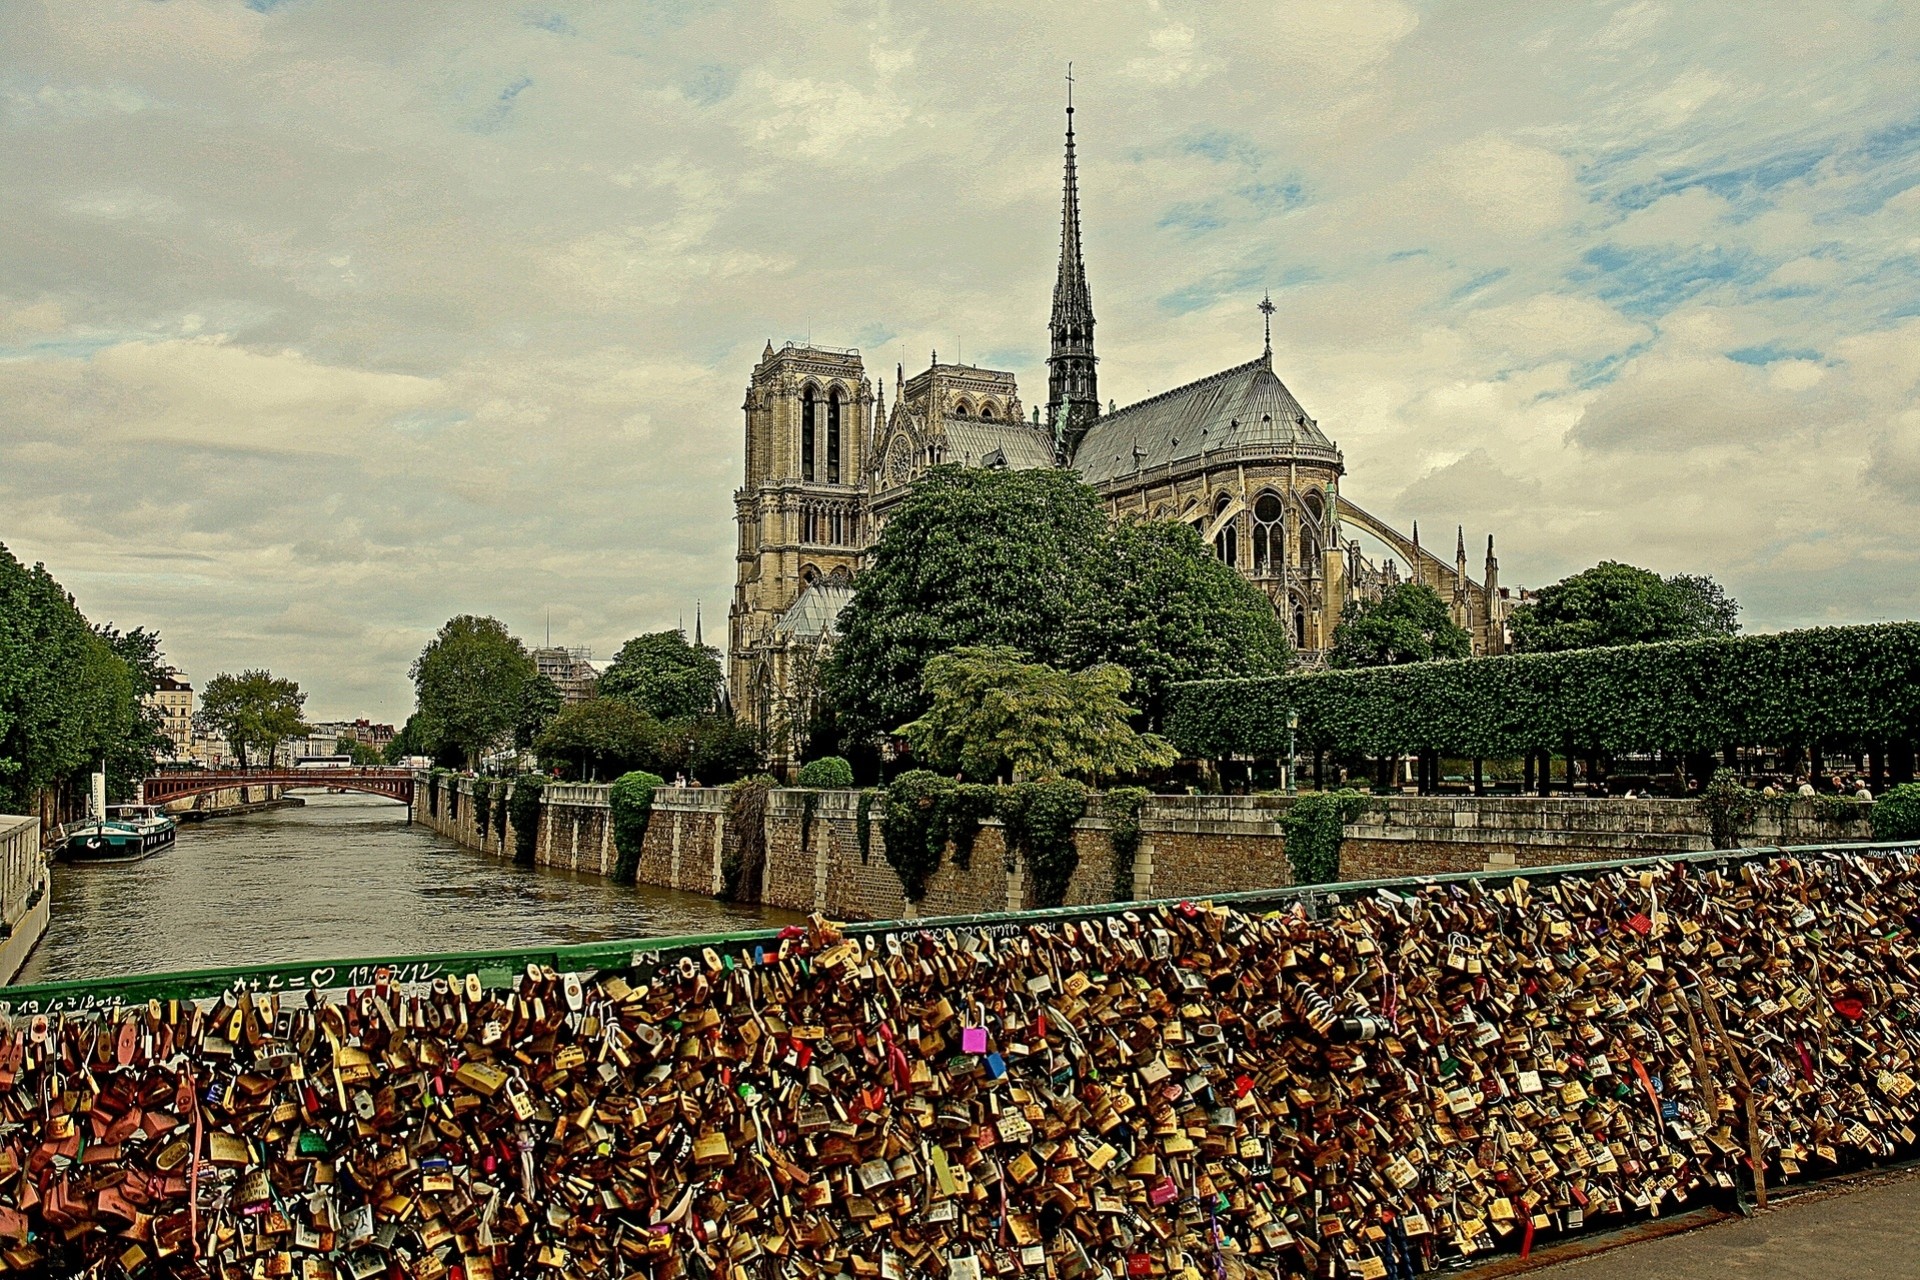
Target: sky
{"points": [[321, 322]]}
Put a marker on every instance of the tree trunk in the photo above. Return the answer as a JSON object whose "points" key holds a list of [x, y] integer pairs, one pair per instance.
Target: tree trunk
{"points": [[1479, 776], [1526, 773]]}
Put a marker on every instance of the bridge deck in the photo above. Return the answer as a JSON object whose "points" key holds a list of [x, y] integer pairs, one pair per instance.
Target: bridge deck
{"points": [[1868, 1229]]}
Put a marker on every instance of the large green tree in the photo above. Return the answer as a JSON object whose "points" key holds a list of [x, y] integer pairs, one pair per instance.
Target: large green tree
{"points": [[600, 736], [67, 697], [1165, 608], [1408, 623], [992, 714], [970, 557], [475, 685], [136, 752], [254, 711], [1614, 603], [664, 675], [1029, 560]]}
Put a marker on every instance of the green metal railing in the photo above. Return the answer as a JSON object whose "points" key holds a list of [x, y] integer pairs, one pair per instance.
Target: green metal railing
{"points": [[501, 967]]}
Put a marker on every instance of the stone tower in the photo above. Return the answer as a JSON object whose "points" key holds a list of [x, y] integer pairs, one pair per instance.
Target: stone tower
{"points": [[1073, 390], [800, 513]]}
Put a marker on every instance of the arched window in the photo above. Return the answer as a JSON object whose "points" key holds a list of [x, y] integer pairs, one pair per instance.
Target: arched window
{"points": [[986, 413], [806, 434], [1226, 543], [833, 435], [1269, 535], [1299, 627], [962, 410]]}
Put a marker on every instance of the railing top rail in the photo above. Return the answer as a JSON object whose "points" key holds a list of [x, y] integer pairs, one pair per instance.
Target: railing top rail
{"points": [[499, 967]]}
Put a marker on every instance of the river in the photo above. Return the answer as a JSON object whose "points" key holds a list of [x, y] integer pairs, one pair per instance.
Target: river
{"points": [[343, 877]]}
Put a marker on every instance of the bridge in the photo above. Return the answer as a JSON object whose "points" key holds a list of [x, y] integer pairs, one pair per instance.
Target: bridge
{"points": [[164, 788]]}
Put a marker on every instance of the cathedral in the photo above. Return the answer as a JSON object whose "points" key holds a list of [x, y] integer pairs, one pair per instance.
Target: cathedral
{"points": [[1232, 454]]}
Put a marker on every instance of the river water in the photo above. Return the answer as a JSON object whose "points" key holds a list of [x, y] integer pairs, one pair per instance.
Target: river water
{"points": [[343, 877]]}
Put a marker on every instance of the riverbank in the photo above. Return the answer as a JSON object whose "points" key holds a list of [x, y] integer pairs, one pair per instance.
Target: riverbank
{"points": [[237, 809]]}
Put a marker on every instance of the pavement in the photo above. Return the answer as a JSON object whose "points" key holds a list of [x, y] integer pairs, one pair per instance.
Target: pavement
{"points": [[1865, 1229]]}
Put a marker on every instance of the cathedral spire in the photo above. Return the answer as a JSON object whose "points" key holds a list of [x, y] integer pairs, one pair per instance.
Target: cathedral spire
{"points": [[1073, 396]]}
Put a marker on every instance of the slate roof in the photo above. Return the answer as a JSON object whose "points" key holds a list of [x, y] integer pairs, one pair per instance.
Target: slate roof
{"points": [[1246, 407], [974, 440], [814, 612]]}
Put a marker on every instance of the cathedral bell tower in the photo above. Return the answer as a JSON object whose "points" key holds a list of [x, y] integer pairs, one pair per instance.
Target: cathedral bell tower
{"points": [[1073, 392]]}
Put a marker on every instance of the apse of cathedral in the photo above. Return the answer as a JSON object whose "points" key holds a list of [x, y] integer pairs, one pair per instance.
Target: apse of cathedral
{"points": [[1233, 454]]}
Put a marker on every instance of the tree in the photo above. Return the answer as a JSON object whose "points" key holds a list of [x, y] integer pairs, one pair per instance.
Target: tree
{"points": [[359, 752], [992, 713], [712, 749], [254, 711], [1408, 623], [419, 736], [540, 702], [1029, 560], [600, 735], [1166, 609], [66, 696], [970, 557], [1614, 603], [664, 675], [472, 686]]}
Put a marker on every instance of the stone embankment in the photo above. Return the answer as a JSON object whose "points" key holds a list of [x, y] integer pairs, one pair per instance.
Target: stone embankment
{"points": [[231, 801], [24, 899], [818, 859]]}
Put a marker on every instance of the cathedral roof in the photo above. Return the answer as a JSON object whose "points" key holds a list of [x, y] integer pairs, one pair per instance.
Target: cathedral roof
{"points": [[816, 610], [1245, 408], [975, 441]]}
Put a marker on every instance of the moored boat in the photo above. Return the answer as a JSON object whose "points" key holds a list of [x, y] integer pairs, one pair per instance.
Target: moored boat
{"points": [[128, 833]]}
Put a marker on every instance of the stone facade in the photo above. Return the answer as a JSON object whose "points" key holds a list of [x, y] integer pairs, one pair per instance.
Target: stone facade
{"points": [[1232, 454]]}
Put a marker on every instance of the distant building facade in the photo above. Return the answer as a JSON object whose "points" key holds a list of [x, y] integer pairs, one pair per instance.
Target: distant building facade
{"points": [[1233, 454], [173, 698], [571, 671]]}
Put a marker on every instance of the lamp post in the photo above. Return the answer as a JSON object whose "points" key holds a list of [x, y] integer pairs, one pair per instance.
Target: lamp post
{"points": [[1293, 759]]}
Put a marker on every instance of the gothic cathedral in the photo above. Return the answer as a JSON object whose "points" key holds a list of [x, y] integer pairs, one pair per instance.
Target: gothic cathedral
{"points": [[1233, 454]]}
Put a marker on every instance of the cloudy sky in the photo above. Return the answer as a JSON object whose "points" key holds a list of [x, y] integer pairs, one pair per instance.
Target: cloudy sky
{"points": [[321, 321]]}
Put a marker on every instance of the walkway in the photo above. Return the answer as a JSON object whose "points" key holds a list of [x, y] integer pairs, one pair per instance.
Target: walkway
{"points": [[1869, 1230]]}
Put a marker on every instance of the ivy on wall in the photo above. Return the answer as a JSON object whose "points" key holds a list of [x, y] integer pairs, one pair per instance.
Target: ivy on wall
{"points": [[1122, 807], [745, 861], [630, 805], [502, 793], [914, 821], [482, 804], [1840, 687], [524, 806], [863, 824], [1039, 818], [1897, 815], [968, 805], [1314, 826]]}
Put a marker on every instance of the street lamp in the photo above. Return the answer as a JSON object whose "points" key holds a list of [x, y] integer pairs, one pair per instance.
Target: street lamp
{"points": [[1293, 723]]}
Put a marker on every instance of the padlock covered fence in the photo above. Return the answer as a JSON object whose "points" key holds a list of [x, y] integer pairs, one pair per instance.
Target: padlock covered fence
{"points": [[1365, 1079]]}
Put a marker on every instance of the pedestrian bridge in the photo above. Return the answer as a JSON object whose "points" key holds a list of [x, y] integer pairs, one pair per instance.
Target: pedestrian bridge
{"points": [[1475, 1066], [164, 788]]}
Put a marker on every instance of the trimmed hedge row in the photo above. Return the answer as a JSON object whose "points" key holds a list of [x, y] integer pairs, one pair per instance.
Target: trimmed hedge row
{"points": [[1840, 687]]}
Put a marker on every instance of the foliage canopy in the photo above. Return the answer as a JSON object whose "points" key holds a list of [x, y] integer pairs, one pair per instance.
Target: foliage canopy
{"points": [[1615, 604], [1028, 560], [1408, 623], [475, 685], [254, 711], [664, 675], [600, 735], [992, 714], [1841, 687]]}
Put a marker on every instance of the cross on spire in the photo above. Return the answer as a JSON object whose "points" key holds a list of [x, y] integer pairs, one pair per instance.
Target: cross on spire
{"points": [[1266, 311]]}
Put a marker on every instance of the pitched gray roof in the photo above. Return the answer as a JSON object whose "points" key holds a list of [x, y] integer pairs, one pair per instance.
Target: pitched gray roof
{"points": [[815, 611], [1244, 408], [973, 440]]}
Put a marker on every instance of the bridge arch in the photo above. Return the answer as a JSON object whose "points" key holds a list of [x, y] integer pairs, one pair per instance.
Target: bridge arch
{"points": [[390, 784]]}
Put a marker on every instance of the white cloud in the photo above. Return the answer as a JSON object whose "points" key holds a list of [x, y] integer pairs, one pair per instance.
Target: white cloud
{"points": [[386, 318]]}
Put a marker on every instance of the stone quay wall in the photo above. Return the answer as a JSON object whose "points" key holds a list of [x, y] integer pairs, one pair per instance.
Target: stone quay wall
{"points": [[24, 901], [1190, 846]]}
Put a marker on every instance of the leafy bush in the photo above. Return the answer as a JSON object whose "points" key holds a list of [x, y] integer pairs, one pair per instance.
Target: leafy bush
{"points": [[1730, 807], [482, 805], [1897, 815], [630, 799], [1122, 806], [1826, 684], [826, 772], [1313, 830], [741, 866], [524, 810], [1039, 818], [914, 821]]}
